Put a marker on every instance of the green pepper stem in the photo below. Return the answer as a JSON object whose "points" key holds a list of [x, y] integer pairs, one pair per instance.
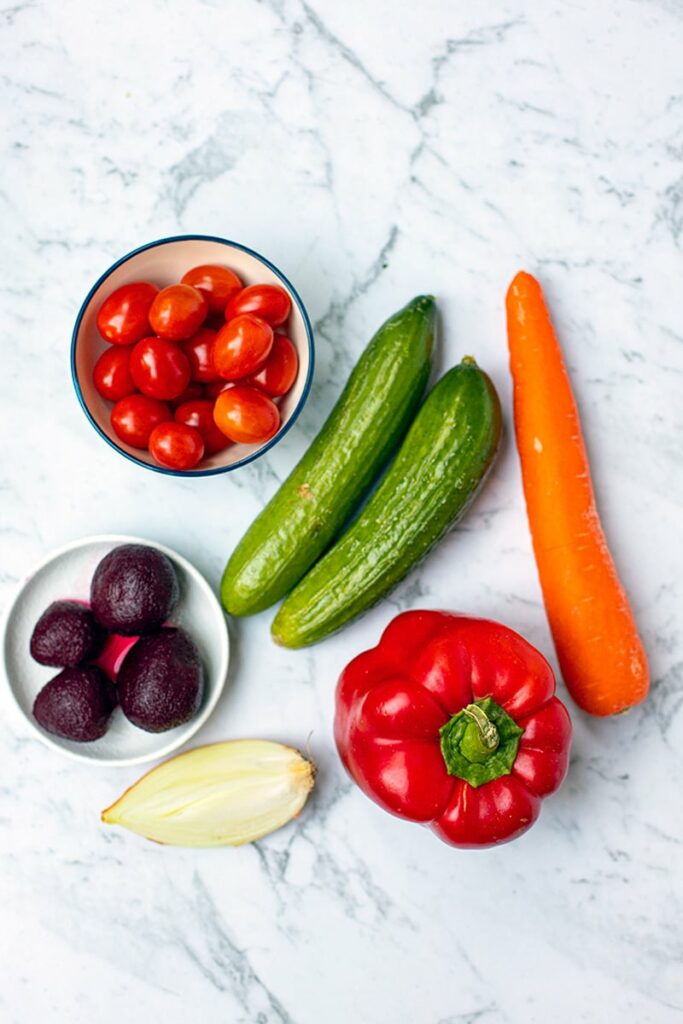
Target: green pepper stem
{"points": [[485, 735], [480, 742]]}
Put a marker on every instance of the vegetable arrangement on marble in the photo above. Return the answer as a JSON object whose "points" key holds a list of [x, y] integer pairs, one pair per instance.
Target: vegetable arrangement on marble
{"points": [[450, 721]]}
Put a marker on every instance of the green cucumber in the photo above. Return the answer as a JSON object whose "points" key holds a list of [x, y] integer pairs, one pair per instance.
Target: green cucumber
{"points": [[439, 468], [317, 498]]}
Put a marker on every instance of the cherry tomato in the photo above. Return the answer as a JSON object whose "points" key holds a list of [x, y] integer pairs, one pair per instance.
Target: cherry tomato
{"points": [[242, 347], [192, 393], [122, 319], [112, 376], [217, 284], [199, 351], [176, 446], [197, 414], [178, 312], [266, 301], [279, 372], [160, 369], [200, 416], [135, 417], [246, 415], [214, 389]]}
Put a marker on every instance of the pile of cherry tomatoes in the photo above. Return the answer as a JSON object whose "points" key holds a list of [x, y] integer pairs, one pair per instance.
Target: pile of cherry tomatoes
{"points": [[196, 366]]}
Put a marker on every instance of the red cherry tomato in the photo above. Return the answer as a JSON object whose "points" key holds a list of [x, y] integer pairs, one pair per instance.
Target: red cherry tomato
{"points": [[176, 446], [246, 415], [135, 417], [112, 376], [214, 389], [266, 301], [122, 319], [199, 350], [197, 414], [178, 312], [242, 347], [217, 284], [279, 372], [192, 393], [160, 369], [200, 416]]}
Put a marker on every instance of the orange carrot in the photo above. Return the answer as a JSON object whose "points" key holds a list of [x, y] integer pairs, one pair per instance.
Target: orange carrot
{"points": [[600, 652]]}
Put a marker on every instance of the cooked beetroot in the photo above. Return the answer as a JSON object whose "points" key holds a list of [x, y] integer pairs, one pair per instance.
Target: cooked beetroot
{"points": [[161, 681], [76, 704], [134, 590], [66, 634]]}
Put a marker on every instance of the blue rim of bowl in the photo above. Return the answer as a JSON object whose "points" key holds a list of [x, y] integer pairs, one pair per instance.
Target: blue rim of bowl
{"points": [[273, 440]]}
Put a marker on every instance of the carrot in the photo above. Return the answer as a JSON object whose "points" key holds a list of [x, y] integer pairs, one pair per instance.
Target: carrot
{"points": [[596, 638]]}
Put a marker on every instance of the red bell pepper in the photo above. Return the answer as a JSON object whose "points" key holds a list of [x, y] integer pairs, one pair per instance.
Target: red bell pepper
{"points": [[452, 722]]}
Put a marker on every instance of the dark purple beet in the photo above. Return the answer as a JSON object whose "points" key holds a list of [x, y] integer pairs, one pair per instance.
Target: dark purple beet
{"points": [[134, 590], [161, 681], [66, 634], [76, 704]]}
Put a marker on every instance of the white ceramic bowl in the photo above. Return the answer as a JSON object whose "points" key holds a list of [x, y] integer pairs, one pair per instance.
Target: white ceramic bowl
{"points": [[67, 573], [163, 263]]}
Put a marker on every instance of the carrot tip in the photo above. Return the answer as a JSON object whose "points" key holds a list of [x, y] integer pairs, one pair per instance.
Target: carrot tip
{"points": [[524, 283]]}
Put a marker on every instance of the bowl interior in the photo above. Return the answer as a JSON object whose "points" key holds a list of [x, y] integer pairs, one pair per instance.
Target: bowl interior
{"points": [[165, 264], [67, 574]]}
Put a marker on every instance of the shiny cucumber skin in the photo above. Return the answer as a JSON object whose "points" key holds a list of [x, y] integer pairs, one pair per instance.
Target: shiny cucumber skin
{"points": [[315, 501], [439, 468]]}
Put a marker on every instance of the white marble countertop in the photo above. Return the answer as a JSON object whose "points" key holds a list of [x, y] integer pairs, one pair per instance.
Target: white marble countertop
{"points": [[373, 151]]}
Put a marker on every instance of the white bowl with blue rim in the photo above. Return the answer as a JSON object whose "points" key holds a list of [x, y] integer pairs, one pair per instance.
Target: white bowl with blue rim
{"points": [[163, 263]]}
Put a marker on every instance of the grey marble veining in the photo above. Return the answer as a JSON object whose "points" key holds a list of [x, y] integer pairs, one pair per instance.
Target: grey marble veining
{"points": [[373, 151]]}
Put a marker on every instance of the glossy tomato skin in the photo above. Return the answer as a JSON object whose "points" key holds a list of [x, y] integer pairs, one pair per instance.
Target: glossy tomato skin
{"points": [[192, 393], [159, 368], [246, 415], [269, 302], [217, 284], [279, 371], [122, 319], [242, 347], [214, 389], [197, 414], [111, 376], [176, 446], [178, 312], [135, 417], [199, 351], [200, 416]]}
